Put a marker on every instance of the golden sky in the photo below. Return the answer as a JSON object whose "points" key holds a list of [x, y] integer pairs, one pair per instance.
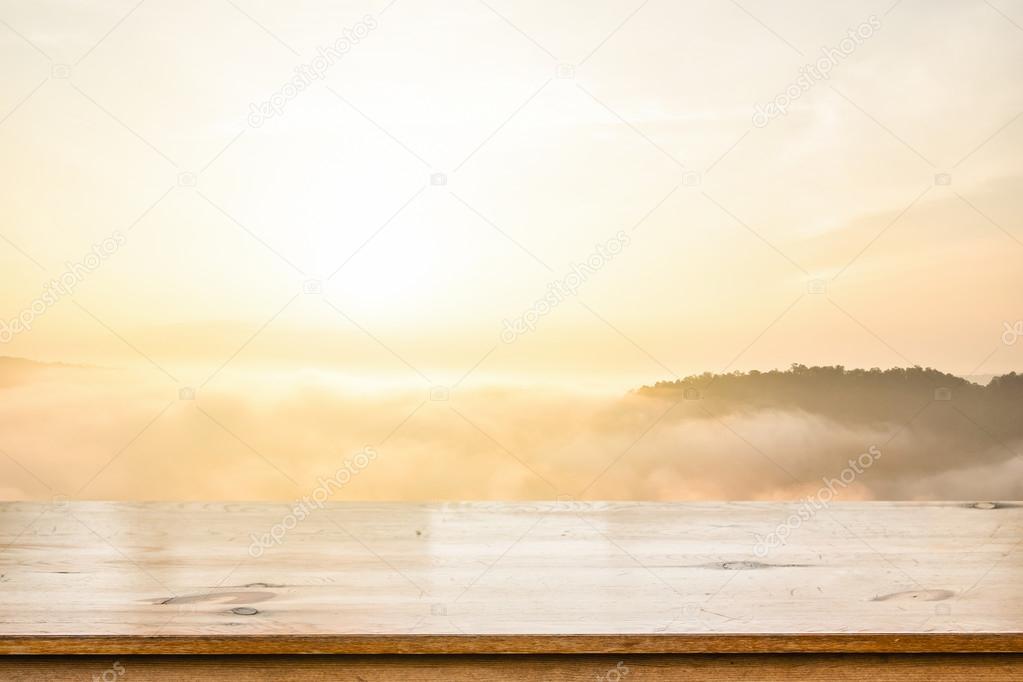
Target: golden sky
{"points": [[875, 222], [262, 236]]}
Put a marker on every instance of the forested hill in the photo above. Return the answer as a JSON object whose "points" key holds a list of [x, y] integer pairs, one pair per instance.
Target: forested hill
{"points": [[854, 394]]}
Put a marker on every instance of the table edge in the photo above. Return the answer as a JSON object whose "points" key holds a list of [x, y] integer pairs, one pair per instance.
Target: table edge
{"points": [[731, 643]]}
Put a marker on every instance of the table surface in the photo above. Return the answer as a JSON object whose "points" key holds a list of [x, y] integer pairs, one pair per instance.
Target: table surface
{"points": [[614, 577]]}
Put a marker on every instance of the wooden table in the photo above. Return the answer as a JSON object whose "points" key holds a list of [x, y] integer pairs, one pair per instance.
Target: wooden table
{"points": [[488, 591]]}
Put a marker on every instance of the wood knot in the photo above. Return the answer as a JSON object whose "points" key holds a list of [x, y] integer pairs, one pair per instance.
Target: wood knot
{"points": [[916, 595], [743, 565], [990, 505], [227, 597], [244, 611]]}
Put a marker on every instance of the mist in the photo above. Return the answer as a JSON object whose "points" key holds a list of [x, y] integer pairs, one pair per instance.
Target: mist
{"points": [[96, 433]]}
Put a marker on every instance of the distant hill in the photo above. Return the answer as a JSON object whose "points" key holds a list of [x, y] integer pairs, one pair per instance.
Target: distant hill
{"points": [[14, 370], [855, 395]]}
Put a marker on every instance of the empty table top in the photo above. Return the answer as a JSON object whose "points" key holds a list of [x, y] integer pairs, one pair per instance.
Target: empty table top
{"points": [[484, 578]]}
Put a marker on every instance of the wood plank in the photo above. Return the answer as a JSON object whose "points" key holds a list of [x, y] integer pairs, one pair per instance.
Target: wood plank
{"points": [[834, 668], [483, 578]]}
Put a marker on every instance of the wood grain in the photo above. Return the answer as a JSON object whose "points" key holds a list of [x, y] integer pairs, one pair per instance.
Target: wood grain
{"points": [[833, 668], [488, 578]]}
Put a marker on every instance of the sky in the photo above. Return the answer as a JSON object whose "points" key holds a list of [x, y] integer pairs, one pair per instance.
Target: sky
{"points": [[730, 222], [593, 196]]}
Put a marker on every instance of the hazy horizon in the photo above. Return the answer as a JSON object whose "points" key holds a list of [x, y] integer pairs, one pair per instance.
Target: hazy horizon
{"points": [[85, 433]]}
